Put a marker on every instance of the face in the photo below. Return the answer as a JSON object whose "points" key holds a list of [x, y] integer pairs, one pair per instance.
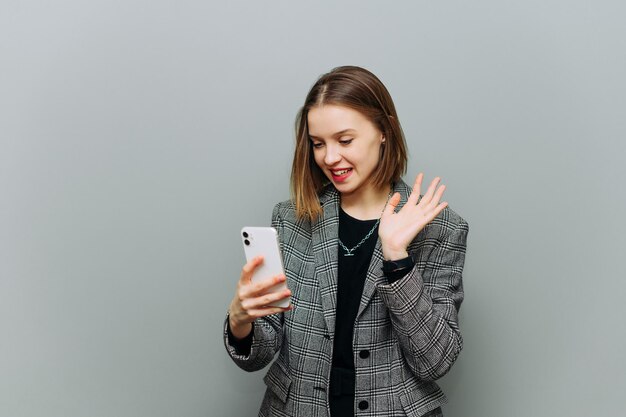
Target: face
{"points": [[346, 146]]}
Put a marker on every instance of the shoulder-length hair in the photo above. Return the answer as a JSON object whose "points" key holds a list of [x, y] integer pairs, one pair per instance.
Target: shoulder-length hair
{"points": [[360, 90]]}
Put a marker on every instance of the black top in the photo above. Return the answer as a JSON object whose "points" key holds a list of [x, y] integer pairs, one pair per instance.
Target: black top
{"points": [[351, 279]]}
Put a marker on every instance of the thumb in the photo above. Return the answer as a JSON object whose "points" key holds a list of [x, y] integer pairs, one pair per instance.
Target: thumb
{"points": [[393, 202]]}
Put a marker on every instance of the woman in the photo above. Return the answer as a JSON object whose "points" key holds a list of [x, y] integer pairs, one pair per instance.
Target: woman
{"points": [[373, 269]]}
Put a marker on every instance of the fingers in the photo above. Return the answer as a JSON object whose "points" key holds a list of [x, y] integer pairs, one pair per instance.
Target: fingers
{"points": [[249, 268], [264, 301], [262, 312], [257, 288], [415, 194], [429, 205], [431, 190], [437, 196], [434, 213], [432, 196], [253, 301]]}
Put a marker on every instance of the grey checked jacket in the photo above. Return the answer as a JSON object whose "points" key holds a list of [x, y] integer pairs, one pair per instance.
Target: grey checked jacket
{"points": [[409, 327]]}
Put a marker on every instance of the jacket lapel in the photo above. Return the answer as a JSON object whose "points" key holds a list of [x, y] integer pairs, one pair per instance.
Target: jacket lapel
{"points": [[325, 240]]}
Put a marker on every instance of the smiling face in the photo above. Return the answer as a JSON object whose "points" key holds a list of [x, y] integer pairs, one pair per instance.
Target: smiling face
{"points": [[346, 147]]}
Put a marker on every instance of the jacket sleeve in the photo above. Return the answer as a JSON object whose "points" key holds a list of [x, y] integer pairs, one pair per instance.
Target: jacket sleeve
{"points": [[267, 333], [424, 308], [266, 340]]}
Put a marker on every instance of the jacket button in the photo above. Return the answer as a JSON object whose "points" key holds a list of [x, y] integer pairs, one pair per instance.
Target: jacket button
{"points": [[364, 354], [363, 405]]}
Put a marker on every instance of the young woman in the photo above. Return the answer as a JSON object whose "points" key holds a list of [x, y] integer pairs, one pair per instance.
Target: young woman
{"points": [[374, 269]]}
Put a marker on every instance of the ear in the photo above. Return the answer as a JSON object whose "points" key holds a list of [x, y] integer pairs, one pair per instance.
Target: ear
{"points": [[382, 141]]}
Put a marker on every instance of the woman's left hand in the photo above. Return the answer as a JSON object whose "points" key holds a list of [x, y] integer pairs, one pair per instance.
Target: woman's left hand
{"points": [[397, 230]]}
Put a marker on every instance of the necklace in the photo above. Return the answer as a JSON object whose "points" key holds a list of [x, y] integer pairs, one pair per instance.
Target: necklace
{"points": [[350, 252]]}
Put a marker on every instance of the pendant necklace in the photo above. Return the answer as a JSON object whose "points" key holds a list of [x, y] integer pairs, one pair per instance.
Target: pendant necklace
{"points": [[350, 252]]}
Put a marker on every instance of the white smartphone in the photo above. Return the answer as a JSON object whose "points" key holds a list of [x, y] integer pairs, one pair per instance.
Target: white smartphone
{"points": [[264, 241]]}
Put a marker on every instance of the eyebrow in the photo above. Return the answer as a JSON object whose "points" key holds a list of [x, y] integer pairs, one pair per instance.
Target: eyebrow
{"points": [[341, 132]]}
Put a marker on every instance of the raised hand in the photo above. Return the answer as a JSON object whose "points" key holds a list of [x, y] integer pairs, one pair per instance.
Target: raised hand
{"points": [[397, 230], [252, 299]]}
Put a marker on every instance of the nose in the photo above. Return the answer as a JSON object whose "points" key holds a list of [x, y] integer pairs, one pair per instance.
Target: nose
{"points": [[332, 155]]}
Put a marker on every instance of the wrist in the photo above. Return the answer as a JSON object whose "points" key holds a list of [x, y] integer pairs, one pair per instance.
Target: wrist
{"points": [[390, 254], [239, 331]]}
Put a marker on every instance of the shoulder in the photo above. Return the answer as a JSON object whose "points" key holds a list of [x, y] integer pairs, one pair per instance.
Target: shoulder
{"points": [[285, 211], [284, 218], [447, 223], [283, 208]]}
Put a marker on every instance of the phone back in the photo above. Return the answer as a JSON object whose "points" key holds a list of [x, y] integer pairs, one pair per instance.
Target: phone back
{"points": [[264, 241]]}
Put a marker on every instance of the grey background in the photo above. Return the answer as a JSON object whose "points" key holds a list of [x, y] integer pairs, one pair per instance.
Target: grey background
{"points": [[138, 137]]}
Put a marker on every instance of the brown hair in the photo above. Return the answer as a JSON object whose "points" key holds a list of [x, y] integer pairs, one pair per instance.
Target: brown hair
{"points": [[360, 90]]}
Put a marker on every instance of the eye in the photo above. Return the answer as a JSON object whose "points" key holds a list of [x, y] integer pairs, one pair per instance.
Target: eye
{"points": [[317, 145], [346, 141]]}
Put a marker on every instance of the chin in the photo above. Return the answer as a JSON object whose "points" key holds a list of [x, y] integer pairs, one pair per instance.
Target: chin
{"points": [[344, 189]]}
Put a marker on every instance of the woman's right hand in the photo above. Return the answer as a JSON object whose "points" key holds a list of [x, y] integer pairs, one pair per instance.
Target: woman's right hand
{"points": [[252, 299]]}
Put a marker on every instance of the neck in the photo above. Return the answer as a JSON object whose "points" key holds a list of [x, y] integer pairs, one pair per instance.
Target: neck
{"points": [[366, 204]]}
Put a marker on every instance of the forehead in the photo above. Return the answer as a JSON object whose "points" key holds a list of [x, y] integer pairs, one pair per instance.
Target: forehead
{"points": [[326, 120]]}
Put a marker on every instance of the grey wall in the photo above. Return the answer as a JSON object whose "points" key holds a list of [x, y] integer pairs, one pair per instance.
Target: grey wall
{"points": [[137, 137]]}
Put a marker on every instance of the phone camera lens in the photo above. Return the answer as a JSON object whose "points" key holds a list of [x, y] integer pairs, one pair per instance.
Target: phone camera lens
{"points": [[247, 242], [245, 234]]}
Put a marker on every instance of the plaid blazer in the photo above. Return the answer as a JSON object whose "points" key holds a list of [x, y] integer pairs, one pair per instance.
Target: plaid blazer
{"points": [[409, 328]]}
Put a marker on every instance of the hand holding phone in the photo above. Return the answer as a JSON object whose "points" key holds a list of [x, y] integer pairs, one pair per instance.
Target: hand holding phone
{"points": [[263, 241], [262, 288]]}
